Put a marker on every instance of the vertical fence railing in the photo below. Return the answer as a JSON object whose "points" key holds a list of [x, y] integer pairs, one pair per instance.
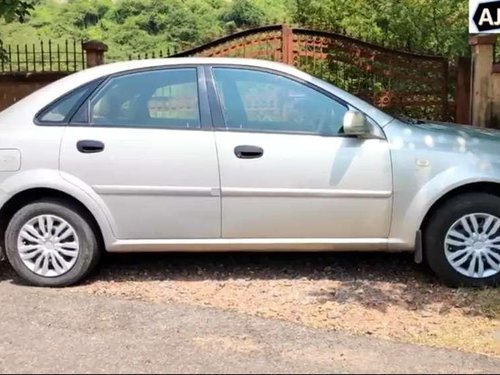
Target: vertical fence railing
{"points": [[167, 52], [49, 56]]}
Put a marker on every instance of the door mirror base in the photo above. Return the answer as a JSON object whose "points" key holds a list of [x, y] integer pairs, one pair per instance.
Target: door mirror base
{"points": [[356, 123]]}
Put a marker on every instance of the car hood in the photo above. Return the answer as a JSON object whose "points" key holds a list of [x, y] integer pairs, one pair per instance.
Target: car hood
{"points": [[454, 152], [445, 138], [457, 130], [442, 136]]}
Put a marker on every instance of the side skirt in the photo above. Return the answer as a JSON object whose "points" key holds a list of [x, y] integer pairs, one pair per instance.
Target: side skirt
{"points": [[258, 244]]}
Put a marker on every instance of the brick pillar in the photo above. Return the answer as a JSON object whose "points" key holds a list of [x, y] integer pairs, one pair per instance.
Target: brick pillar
{"points": [[95, 52], [482, 60]]}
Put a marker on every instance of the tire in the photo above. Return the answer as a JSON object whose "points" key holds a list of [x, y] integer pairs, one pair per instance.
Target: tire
{"points": [[72, 265], [474, 208]]}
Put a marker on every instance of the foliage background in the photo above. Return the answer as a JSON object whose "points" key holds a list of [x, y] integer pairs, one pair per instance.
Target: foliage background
{"points": [[138, 26]]}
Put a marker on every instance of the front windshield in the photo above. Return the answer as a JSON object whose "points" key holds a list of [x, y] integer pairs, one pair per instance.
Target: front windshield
{"points": [[409, 120]]}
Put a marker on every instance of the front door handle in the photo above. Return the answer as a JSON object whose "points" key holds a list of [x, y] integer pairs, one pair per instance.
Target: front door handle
{"points": [[248, 152], [89, 146]]}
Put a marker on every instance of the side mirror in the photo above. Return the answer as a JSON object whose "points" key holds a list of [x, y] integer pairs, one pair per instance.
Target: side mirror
{"points": [[355, 123]]}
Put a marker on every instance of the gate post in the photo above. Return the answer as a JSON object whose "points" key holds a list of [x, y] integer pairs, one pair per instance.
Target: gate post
{"points": [[287, 44], [95, 52], [462, 91], [444, 97], [482, 60]]}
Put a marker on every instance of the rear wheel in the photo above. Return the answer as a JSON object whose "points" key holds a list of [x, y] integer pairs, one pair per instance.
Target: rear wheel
{"points": [[462, 240], [51, 243]]}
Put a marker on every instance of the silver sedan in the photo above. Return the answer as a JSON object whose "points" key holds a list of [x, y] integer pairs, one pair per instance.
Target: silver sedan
{"points": [[206, 154]]}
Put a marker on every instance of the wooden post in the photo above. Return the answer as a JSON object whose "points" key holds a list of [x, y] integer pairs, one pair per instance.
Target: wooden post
{"points": [[495, 97], [463, 90], [482, 61], [444, 96], [95, 52], [287, 44]]}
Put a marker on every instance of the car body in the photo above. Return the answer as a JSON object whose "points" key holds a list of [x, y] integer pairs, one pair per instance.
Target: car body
{"points": [[217, 162]]}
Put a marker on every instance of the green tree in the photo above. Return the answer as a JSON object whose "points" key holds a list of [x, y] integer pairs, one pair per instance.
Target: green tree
{"points": [[15, 9], [243, 14], [139, 26], [11, 10], [437, 26]]}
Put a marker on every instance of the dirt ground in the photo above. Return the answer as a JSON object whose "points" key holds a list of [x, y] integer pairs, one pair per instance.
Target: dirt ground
{"points": [[51, 331], [379, 295]]}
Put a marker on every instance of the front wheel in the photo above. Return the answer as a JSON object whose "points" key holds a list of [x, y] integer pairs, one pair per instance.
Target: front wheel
{"points": [[51, 243], [462, 240]]}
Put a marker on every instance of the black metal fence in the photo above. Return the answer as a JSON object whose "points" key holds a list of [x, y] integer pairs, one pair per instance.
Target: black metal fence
{"points": [[67, 56], [168, 52]]}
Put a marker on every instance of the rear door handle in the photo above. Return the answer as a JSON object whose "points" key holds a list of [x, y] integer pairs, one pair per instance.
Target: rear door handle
{"points": [[89, 146], [248, 152]]}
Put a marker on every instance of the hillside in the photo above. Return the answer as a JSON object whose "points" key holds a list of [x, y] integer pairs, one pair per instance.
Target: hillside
{"points": [[138, 26]]}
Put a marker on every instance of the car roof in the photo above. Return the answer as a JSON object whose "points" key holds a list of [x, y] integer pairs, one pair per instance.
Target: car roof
{"points": [[123, 66]]}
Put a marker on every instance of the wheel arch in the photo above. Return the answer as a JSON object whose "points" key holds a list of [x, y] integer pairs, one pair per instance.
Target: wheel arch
{"points": [[24, 197], [474, 187]]}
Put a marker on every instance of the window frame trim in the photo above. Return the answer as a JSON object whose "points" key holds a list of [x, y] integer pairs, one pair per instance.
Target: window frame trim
{"points": [[216, 106], [203, 104]]}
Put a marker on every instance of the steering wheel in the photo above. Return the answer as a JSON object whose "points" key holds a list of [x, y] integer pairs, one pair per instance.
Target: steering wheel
{"points": [[305, 116]]}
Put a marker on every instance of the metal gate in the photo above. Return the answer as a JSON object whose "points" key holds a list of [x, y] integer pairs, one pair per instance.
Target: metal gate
{"points": [[396, 81]]}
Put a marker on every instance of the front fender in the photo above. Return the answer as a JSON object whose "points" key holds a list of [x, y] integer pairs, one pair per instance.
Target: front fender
{"points": [[409, 213]]}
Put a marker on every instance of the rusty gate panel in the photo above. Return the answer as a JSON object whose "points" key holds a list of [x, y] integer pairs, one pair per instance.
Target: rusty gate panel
{"points": [[395, 81], [260, 43]]}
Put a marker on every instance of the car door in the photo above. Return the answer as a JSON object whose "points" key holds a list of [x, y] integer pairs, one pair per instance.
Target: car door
{"points": [[143, 141], [286, 169]]}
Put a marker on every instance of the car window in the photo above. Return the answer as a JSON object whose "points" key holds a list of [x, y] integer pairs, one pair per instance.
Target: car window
{"points": [[154, 99], [60, 111], [260, 101]]}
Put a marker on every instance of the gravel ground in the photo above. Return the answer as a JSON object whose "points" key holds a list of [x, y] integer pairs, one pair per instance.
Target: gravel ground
{"points": [[62, 331], [380, 295]]}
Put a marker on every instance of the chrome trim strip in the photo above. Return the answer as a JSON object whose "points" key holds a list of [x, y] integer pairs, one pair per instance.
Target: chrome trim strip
{"points": [[255, 244], [157, 190], [238, 192], [304, 193]]}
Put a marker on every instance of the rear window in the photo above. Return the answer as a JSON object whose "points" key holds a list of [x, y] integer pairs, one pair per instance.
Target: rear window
{"points": [[159, 98]]}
